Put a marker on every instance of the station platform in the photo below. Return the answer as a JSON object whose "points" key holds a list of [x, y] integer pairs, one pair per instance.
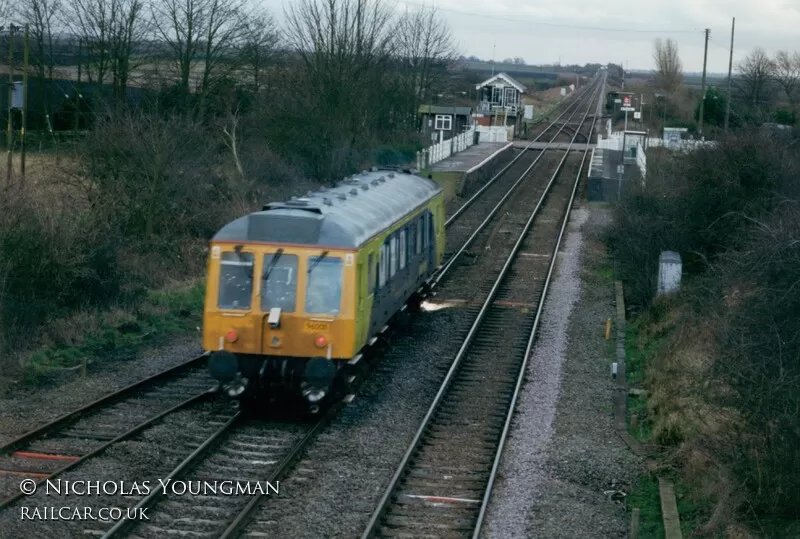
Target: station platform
{"points": [[471, 158], [459, 172], [577, 146]]}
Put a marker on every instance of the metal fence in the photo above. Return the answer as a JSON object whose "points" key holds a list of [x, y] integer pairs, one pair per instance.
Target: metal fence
{"points": [[445, 149]]}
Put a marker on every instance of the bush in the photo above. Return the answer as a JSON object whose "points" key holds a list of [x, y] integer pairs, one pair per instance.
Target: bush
{"points": [[49, 266], [733, 213]]}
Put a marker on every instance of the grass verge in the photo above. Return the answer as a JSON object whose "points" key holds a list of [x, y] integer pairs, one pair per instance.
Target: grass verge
{"points": [[88, 338], [644, 340]]}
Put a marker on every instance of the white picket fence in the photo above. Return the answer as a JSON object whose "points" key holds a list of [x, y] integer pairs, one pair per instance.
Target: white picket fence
{"points": [[445, 149], [641, 161]]}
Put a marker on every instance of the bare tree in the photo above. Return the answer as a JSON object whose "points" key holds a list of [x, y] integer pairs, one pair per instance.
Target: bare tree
{"points": [[42, 16], [258, 47], [669, 69], [425, 49], [345, 48], [756, 72], [108, 29], [199, 32], [787, 73]]}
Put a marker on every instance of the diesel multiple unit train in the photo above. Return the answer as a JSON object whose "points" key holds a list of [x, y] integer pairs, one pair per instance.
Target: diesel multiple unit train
{"points": [[296, 291]]}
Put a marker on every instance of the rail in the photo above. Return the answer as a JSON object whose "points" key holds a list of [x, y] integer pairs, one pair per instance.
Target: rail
{"points": [[455, 371]]}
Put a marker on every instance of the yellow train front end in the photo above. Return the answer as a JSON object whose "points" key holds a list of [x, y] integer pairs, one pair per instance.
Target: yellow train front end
{"points": [[278, 317]]}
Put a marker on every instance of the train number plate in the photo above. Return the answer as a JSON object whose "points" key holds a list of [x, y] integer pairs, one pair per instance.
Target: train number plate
{"points": [[316, 327]]}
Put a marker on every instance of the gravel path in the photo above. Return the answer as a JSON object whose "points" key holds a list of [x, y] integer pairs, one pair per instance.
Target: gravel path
{"points": [[563, 452], [22, 410]]}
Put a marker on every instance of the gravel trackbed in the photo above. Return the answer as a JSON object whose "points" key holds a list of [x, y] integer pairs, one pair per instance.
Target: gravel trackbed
{"points": [[563, 455]]}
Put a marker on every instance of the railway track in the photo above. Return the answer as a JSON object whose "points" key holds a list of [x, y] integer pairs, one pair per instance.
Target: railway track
{"points": [[471, 212], [247, 453], [463, 231], [266, 453], [256, 451], [253, 523], [444, 482], [73, 438]]}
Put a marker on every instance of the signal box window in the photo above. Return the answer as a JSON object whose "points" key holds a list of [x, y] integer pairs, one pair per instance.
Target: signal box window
{"points": [[235, 281], [279, 282], [324, 288]]}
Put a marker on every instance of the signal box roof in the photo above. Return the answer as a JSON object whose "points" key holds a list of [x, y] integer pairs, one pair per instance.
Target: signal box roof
{"points": [[345, 216]]}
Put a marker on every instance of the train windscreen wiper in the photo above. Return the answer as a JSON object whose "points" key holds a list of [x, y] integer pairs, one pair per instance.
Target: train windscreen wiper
{"points": [[272, 263], [317, 261]]}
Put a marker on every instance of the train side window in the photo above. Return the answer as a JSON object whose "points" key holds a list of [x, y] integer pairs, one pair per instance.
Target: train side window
{"points": [[371, 273], [235, 280], [419, 235], [425, 220], [403, 248], [393, 256], [383, 264]]}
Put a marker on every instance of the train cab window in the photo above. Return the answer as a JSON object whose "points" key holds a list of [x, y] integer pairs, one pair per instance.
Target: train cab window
{"points": [[402, 248], [235, 280], [393, 256], [279, 282], [324, 287]]}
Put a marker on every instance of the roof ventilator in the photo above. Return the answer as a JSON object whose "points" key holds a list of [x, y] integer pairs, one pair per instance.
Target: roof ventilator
{"points": [[354, 191], [382, 179], [327, 201], [364, 186], [391, 174], [341, 196], [374, 182], [297, 202]]}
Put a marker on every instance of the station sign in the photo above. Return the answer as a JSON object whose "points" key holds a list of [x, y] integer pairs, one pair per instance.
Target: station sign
{"points": [[626, 104]]}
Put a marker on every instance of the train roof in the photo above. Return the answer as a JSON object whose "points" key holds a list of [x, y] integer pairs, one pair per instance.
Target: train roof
{"points": [[344, 216]]}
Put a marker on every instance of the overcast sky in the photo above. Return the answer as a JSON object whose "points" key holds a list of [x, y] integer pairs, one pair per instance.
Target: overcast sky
{"points": [[581, 31]]}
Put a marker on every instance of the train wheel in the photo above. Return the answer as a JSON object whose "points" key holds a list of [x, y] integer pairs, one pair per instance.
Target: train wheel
{"points": [[403, 323]]}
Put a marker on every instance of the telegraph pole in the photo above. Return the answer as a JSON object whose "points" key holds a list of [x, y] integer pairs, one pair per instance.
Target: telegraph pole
{"points": [[24, 104], [10, 131], [703, 87], [730, 70]]}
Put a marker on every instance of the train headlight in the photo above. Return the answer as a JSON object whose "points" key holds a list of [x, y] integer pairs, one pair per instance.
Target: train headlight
{"points": [[314, 395], [321, 341], [231, 336]]}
